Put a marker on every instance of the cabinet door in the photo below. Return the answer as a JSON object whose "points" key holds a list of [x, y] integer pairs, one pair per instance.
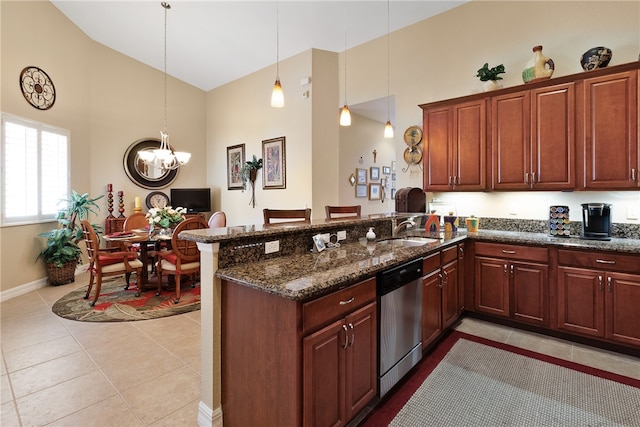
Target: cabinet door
{"points": [[362, 361], [611, 131], [622, 308], [469, 146], [450, 306], [553, 137], [529, 287], [510, 141], [461, 277], [431, 307], [492, 286], [581, 301], [323, 376], [437, 157]]}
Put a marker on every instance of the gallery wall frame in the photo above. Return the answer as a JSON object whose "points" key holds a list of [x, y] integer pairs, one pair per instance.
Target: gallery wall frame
{"points": [[274, 163], [235, 161]]}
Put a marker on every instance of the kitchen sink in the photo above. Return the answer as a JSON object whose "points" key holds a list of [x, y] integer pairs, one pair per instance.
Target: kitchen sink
{"points": [[408, 241]]}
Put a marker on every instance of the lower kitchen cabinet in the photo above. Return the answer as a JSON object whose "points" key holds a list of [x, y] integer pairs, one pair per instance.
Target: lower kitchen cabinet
{"points": [[512, 281], [340, 369], [601, 303]]}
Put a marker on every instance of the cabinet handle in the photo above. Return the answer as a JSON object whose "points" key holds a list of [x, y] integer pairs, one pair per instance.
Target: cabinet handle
{"points": [[450, 180], [441, 280], [600, 283], [526, 177], [533, 177], [609, 284], [353, 334], [346, 338], [511, 270], [456, 180], [461, 249], [504, 251], [604, 261], [349, 301], [505, 268], [633, 175], [446, 278]]}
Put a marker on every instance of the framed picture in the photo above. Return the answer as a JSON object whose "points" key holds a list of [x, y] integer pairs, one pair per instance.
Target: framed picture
{"points": [[235, 161], [393, 166], [393, 176], [361, 190], [393, 193], [375, 173], [386, 170], [374, 191], [274, 163], [361, 176]]}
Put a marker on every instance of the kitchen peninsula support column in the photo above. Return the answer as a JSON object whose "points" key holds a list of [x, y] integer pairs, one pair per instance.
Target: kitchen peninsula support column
{"points": [[210, 409]]}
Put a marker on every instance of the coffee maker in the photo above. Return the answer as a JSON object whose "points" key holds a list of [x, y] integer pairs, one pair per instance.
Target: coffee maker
{"points": [[596, 221]]}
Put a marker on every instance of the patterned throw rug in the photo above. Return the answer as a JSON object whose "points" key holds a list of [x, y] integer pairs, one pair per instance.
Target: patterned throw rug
{"points": [[471, 381], [118, 305]]}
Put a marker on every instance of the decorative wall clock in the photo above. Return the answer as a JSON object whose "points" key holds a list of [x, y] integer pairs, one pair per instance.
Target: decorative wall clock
{"points": [[37, 88], [157, 199]]}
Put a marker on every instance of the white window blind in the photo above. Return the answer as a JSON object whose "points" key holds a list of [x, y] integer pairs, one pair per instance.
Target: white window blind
{"points": [[35, 170]]}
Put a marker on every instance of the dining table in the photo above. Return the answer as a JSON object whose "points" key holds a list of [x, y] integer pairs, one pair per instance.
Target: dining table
{"points": [[148, 243]]}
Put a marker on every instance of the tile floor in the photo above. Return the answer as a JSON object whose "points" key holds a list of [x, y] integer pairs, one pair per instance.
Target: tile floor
{"points": [[59, 372]]}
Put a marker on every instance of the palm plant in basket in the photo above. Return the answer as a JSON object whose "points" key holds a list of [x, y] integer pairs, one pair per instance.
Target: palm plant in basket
{"points": [[62, 253]]}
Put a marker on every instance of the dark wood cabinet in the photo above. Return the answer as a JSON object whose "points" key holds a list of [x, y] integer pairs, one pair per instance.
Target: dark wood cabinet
{"points": [[610, 131], [598, 302], [533, 139], [454, 156], [512, 281], [340, 369]]}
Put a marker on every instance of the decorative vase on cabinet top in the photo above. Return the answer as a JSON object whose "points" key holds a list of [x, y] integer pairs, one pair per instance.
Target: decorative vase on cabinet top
{"points": [[489, 85], [538, 68], [596, 57]]}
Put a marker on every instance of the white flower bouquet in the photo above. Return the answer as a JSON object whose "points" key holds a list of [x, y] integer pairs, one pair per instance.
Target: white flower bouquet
{"points": [[165, 217]]}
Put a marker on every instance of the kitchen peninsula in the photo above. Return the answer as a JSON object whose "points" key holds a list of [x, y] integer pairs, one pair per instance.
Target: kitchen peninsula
{"points": [[261, 307]]}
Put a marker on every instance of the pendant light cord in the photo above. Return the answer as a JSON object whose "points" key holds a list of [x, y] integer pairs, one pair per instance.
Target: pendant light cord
{"points": [[345, 52], [277, 41], [388, 110], [166, 6]]}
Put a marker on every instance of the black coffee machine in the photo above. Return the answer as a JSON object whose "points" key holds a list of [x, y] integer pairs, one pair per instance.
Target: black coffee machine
{"points": [[596, 221]]}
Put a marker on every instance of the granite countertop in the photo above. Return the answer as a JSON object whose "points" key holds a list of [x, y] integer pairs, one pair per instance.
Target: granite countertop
{"points": [[303, 276]]}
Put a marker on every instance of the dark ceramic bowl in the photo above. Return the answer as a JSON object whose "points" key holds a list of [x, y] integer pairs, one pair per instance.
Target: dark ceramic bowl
{"points": [[596, 57]]}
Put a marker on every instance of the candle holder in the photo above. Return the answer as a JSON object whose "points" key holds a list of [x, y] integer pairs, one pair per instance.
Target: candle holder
{"points": [[121, 204], [110, 200]]}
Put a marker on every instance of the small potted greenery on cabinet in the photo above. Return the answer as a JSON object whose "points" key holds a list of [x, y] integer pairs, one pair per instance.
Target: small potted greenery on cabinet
{"points": [[490, 76]]}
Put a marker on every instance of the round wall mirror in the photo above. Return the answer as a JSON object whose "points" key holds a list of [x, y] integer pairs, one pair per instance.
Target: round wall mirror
{"points": [[146, 176]]}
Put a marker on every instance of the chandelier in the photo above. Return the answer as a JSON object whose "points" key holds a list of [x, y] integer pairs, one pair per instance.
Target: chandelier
{"points": [[164, 158]]}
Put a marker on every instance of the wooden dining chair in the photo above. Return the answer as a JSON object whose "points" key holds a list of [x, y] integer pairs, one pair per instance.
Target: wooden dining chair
{"points": [[218, 219], [107, 262], [343, 212], [183, 258], [136, 220], [290, 215]]}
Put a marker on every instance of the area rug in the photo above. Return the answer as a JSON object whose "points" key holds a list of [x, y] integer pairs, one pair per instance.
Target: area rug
{"points": [[471, 381], [118, 305]]}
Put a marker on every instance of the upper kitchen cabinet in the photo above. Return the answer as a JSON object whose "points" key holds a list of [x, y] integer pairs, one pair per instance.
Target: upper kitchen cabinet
{"points": [[533, 139], [454, 153], [610, 131]]}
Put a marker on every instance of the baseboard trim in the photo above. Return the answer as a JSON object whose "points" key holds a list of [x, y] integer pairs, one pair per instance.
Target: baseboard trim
{"points": [[32, 286], [208, 417]]}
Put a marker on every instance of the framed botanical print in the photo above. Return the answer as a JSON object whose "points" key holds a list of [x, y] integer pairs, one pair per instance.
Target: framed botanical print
{"points": [[361, 190], [274, 163], [374, 191], [235, 161], [361, 176], [375, 173], [386, 170]]}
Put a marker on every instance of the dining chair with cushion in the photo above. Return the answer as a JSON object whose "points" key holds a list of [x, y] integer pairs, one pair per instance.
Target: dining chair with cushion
{"points": [[137, 220], [183, 258], [289, 215], [218, 219], [107, 262], [342, 212]]}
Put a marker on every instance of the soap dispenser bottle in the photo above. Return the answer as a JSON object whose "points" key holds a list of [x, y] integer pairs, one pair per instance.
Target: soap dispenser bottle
{"points": [[370, 234]]}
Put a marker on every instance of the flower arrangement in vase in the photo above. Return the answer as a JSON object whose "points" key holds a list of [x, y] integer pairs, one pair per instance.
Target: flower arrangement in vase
{"points": [[166, 217]]}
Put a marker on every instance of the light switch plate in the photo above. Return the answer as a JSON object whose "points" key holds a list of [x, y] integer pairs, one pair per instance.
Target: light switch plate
{"points": [[342, 235], [271, 247]]}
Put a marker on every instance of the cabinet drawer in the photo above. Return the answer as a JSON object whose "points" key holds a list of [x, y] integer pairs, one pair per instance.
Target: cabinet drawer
{"points": [[449, 254], [512, 251], [607, 261], [430, 263], [336, 305]]}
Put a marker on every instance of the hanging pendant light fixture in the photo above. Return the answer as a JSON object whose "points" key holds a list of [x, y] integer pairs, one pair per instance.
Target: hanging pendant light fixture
{"points": [[277, 96], [164, 158], [345, 114], [388, 128]]}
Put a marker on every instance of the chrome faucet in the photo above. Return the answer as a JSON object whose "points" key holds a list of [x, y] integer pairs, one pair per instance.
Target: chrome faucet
{"points": [[409, 223]]}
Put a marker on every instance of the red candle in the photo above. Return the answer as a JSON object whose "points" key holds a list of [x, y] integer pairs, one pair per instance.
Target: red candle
{"points": [[109, 187], [120, 193]]}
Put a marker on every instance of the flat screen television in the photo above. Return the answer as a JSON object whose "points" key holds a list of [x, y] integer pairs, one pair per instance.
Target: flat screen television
{"points": [[193, 199]]}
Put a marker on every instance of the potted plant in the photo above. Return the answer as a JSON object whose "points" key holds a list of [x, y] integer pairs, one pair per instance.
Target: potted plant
{"points": [[62, 253], [490, 76], [249, 172]]}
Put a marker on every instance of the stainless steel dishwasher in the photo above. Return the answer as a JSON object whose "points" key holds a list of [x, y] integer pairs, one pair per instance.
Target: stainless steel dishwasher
{"points": [[400, 322]]}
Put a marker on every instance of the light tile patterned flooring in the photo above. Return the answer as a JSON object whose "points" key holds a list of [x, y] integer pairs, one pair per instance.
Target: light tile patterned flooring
{"points": [[59, 372]]}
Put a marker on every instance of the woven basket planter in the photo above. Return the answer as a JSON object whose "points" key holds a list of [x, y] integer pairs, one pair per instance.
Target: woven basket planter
{"points": [[61, 275]]}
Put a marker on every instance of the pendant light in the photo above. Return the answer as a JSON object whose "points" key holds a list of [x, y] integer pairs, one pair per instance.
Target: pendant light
{"points": [[164, 158], [345, 114], [388, 128], [277, 96]]}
